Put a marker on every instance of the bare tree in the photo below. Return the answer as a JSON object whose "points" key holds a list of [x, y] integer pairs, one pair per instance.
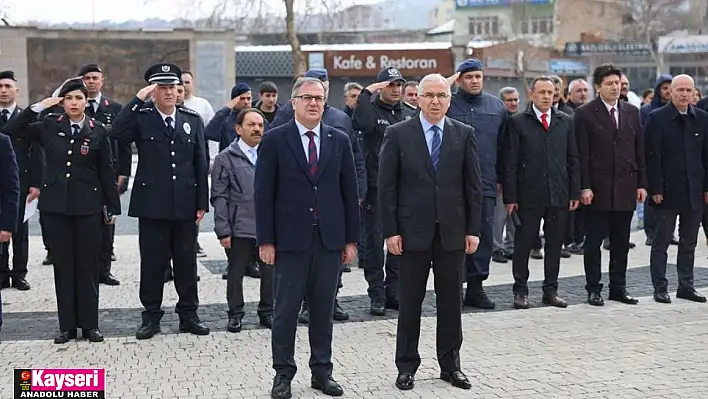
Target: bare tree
{"points": [[5, 11], [646, 20], [528, 38]]}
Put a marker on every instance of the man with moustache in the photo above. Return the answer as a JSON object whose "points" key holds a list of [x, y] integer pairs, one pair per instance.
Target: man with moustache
{"points": [[486, 114], [379, 107], [105, 110], [578, 92], [31, 168], [170, 195], [613, 180], [430, 196], [232, 190], [677, 170], [410, 95]]}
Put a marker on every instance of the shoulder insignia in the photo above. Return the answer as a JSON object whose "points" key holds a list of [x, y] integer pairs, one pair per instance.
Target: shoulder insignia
{"points": [[106, 103], [95, 122], [148, 109], [188, 111], [56, 115]]}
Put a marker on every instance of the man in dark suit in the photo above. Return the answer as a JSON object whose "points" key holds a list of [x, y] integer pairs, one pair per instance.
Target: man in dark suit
{"points": [[105, 110], [541, 181], [31, 169], [612, 178], [676, 140], [9, 195], [307, 223], [430, 198], [169, 196]]}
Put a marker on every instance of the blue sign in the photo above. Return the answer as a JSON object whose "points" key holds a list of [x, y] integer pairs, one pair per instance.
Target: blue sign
{"points": [[566, 66], [496, 3]]}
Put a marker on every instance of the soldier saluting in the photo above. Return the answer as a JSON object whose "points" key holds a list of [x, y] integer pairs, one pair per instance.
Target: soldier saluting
{"points": [[170, 194]]}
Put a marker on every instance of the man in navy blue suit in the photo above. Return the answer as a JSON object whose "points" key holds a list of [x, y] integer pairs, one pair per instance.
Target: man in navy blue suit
{"points": [[9, 194], [307, 222]]}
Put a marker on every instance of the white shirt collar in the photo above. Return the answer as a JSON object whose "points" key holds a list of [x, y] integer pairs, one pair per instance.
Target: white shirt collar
{"points": [[97, 98], [245, 148], [173, 115], [609, 107], [539, 113], [9, 109], [80, 123], [302, 129]]}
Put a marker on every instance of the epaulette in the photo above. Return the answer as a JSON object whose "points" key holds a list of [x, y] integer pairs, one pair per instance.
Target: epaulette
{"points": [[188, 111], [54, 115], [146, 109]]}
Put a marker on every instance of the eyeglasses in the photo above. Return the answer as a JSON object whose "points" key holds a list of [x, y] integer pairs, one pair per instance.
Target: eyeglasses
{"points": [[439, 96], [511, 100], [308, 98]]}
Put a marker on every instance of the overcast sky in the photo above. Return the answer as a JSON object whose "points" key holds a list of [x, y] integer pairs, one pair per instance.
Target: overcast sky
{"points": [[116, 10]]}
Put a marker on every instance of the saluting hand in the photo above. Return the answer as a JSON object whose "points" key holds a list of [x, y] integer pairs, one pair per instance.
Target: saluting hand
{"points": [[145, 91], [50, 102], [373, 88]]}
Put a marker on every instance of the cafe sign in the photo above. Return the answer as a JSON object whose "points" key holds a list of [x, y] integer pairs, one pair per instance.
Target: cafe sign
{"points": [[369, 63]]}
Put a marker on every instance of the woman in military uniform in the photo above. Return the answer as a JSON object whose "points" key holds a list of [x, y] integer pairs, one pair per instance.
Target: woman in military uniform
{"points": [[78, 195]]}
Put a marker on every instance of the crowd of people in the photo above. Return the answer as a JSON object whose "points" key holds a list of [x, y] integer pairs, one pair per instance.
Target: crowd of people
{"points": [[407, 177]]}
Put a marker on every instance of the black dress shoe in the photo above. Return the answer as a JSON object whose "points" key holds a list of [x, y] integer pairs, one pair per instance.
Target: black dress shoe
{"points": [[200, 252], [405, 381], [48, 260], [147, 330], [224, 276], [339, 314], [477, 298], [20, 284], [662, 297], [5, 284], [169, 277], [378, 307], [623, 297], [234, 325], [632, 245], [281, 388], [595, 299], [565, 254], [65, 336], [575, 249], [521, 301], [498, 257], [536, 254], [674, 241], [304, 316], [391, 304], [649, 242], [328, 386], [109, 280], [266, 320], [113, 257], [93, 335], [552, 299], [691, 296], [457, 379], [253, 271], [193, 325], [509, 255], [346, 268]]}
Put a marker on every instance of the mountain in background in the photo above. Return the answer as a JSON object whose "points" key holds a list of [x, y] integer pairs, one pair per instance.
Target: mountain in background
{"points": [[400, 11]]}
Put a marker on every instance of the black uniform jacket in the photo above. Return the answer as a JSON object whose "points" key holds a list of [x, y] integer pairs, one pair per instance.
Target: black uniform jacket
{"points": [[79, 178], [171, 179], [30, 160]]}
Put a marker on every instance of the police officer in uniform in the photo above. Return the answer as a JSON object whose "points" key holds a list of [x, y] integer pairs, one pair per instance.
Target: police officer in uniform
{"points": [[170, 194], [104, 109], [31, 168], [79, 195]]}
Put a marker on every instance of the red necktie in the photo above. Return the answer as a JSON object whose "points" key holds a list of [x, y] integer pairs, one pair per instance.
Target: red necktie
{"points": [[544, 121], [612, 116]]}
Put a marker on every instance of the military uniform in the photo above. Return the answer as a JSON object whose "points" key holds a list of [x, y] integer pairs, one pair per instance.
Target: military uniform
{"points": [[31, 167], [78, 193], [170, 186]]}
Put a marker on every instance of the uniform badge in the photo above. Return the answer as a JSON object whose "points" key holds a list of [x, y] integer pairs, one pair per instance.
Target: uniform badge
{"points": [[91, 124], [187, 128], [165, 68], [85, 146], [105, 102], [62, 134]]}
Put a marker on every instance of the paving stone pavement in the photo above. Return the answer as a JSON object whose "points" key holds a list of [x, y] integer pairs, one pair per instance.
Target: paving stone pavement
{"points": [[617, 351]]}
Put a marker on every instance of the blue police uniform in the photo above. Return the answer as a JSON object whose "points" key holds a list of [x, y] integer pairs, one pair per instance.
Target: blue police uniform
{"points": [[170, 186]]}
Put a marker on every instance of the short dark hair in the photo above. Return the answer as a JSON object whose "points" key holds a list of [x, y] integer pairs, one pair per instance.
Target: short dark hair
{"points": [[188, 73], [647, 92], [242, 115], [540, 79], [268, 87], [410, 83], [603, 71], [298, 76]]}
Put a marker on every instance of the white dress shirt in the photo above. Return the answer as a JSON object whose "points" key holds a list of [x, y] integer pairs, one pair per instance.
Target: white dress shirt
{"points": [[539, 113], [251, 152], [95, 105], [9, 109], [306, 140], [164, 116]]}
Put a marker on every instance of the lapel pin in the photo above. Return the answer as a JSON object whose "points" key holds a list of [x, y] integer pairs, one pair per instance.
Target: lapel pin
{"points": [[329, 135], [61, 134]]}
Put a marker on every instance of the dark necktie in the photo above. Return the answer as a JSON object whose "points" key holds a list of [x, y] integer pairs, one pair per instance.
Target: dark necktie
{"points": [[168, 124], [544, 121], [91, 110], [4, 117], [312, 153], [76, 128], [435, 145], [612, 116]]}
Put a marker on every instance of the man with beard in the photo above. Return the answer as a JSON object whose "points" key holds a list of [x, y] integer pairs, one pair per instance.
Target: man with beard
{"points": [[578, 92], [486, 114]]}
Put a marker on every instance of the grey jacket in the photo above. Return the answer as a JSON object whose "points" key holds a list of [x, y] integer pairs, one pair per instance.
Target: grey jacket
{"points": [[232, 191]]}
